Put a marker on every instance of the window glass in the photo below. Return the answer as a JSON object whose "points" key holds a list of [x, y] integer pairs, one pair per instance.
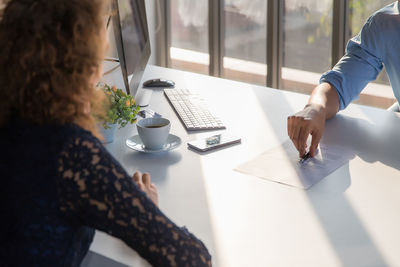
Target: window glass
{"points": [[307, 42], [360, 10], [189, 35], [245, 40]]}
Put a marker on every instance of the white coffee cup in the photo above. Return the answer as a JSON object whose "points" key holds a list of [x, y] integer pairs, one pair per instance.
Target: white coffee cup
{"points": [[153, 132]]}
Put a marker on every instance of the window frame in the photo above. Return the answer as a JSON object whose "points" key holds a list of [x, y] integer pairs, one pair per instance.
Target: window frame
{"points": [[274, 40]]}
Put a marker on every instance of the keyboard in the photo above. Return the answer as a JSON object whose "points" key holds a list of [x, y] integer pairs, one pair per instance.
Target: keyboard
{"points": [[192, 110]]}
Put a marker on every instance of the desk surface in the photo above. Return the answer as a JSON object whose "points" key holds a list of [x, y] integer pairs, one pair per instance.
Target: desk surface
{"points": [[350, 218]]}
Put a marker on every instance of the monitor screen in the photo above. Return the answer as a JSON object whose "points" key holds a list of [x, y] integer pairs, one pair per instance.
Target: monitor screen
{"points": [[132, 40]]}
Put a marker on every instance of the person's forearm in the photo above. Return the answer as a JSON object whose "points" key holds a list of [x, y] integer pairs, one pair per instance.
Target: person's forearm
{"points": [[325, 96]]}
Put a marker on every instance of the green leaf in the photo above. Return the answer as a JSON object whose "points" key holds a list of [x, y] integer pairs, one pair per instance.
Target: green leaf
{"points": [[118, 111]]}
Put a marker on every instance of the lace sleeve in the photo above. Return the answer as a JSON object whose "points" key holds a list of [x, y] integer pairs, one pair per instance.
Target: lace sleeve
{"points": [[96, 189]]}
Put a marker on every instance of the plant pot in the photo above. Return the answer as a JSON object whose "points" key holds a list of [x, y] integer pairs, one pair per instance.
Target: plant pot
{"points": [[109, 133]]}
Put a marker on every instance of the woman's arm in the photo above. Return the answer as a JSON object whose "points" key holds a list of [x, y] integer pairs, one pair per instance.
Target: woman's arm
{"points": [[96, 189]]}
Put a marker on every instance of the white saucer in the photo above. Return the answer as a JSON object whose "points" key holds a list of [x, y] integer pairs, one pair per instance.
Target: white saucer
{"points": [[136, 143]]}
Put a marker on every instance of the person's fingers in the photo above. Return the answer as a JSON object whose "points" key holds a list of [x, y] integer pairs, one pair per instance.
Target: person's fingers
{"points": [[316, 137], [296, 134], [146, 179], [141, 186], [294, 128], [290, 126], [137, 177], [302, 141], [153, 185]]}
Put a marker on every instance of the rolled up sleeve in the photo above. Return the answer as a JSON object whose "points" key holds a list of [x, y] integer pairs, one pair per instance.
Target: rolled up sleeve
{"points": [[360, 65]]}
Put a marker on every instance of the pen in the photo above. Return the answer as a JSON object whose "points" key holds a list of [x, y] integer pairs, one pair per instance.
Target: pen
{"points": [[305, 157]]}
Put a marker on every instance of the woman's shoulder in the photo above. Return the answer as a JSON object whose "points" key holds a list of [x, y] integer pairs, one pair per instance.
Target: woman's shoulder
{"points": [[75, 131], [76, 137]]}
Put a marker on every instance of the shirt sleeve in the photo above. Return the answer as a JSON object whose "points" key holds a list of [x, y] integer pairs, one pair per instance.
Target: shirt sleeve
{"points": [[360, 65], [96, 190]]}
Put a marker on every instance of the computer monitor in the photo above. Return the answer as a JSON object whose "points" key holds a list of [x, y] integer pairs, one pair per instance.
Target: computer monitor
{"points": [[132, 41]]}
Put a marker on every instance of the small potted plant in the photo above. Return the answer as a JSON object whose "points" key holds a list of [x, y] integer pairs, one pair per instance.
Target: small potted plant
{"points": [[122, 110]]}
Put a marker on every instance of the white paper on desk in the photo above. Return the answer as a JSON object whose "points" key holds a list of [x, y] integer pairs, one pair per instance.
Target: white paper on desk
{"points": [[281, 164]]}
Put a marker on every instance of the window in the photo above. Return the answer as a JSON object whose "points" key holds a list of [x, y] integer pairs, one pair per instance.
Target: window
{"points": [[307, 42], [378, 93], [245, 41], [286, 44], [189, 35], [360, 10]]}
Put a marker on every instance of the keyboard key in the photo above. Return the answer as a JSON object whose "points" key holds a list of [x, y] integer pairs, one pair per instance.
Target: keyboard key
{"points": [[192, 110]]}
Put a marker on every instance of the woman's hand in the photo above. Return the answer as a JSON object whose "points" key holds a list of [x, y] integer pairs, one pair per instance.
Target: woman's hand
{"points": [[311, 120], [143, 181]]}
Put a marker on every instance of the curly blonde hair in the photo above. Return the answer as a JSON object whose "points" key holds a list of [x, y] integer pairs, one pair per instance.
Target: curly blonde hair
{"points": [[48, 51]]}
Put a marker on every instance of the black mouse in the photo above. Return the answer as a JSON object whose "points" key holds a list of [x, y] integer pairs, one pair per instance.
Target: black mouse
{"points": [[158, 83]]}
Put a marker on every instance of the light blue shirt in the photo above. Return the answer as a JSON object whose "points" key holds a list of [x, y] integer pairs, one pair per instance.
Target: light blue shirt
{"points": [[377, 44]]}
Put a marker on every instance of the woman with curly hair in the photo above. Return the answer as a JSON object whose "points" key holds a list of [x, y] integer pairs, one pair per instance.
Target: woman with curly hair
{"points": [[58, 183]]}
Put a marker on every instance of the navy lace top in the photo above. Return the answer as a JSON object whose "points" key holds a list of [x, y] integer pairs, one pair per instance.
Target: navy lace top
{"points": [[58, 184]]}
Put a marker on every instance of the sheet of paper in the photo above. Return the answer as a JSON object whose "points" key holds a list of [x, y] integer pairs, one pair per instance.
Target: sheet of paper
{"points": [[281, 164]]}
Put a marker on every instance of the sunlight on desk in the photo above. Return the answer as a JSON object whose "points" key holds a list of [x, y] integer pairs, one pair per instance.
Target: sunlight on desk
{"points": [[349, 218], [282, 165]]}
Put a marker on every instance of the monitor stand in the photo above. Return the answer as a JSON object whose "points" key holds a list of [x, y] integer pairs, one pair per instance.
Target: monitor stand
{"points": [[143, 97]]}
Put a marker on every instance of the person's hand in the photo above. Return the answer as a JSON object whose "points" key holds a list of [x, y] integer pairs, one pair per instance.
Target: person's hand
{"points": [[143, 181], [311, 120]]}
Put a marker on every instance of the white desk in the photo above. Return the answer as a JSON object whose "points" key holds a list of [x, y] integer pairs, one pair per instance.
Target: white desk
{"points": [[350, 218]]}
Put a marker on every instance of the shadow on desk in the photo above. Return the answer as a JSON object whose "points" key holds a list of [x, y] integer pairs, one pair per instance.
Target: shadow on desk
{"points": [[148, 161], [376, 140], [93, 259], [182, 191], [373, 140]]}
